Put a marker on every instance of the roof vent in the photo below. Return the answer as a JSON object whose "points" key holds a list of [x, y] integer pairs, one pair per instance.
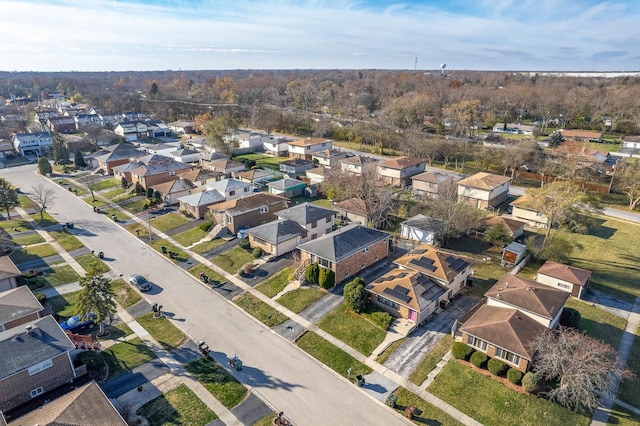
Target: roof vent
{"points": [[29, 330], [506, 284]]}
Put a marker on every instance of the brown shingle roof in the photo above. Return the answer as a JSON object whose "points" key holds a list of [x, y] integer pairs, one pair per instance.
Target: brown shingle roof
{"points": [[8, 269], [407, 288], [434, 262], [575, 133], [528, 295], [437, 177], [511, 225], [401, 162], [353, 205], [309, 142], [18, 303], [483, 180], [509, 329], [566, 273], [248, 203]]}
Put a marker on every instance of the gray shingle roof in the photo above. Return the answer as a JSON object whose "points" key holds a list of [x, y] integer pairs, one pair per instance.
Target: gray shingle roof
{"points": [[17, 303], [305, 213], [277, 231], [342, 243], [8, 269], [286, 183], [19, 350]]}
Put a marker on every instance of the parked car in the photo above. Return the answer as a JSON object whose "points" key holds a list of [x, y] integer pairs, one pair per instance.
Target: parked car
{"points": [[76, 322], [242, 233], [140, 282]]}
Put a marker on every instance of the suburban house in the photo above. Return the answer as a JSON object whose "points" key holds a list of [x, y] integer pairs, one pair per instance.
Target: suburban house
{"points": [[85, 405], [276, 146], [516, 312], [428, 183], [305, 148], [249, 141], [130, 130], [39, 143], [62, 124], [356, 164], [295, 166], [424, 229], [182, 127], [185, 155], [347, 251], [287, 187], [316, 175], [201, 177], [158, 172], [256, 177], [564, 277], [328, 157], [630, 146], [8, 273], [35, 359], [18, 306], [522, 210], [446, 269], [116, 155], [483, 190], [398, 171], [217, 192], [317, 220], [174, 189], [208, 157], [6, 147], [223, 165], [278, 237], [515, 228], [512, 128], [352, 209], [407, 294], [581, 135], [251, 210]]}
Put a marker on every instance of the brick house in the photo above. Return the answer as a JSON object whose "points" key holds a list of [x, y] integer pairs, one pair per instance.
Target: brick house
{"points": [[581, 135], [352, 209], [8, 273], [35, 359], [347, 251], [398, 171], [115, 155], [155, 173], [516, 312], [216, 192], [483, 190], [174, 189], [251, 210], [305, 148], [18, 306], [564, 277]]}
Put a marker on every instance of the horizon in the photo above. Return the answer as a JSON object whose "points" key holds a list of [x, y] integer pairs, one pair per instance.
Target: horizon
{"points": [[415, 35]]}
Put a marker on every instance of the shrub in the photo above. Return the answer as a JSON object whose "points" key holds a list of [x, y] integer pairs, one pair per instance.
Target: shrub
{"points": [[42, 298], [248, 268], [157, 196], [496, 367], [478, 359], [44, 166], [355, 295], [146, 206], [138, 189], [383, 319], [149, 192], [241, 272], [244, 244], [312, 273], [206, 226], [326, 278], [570, 318], [530, 381], [514, 376], [461, 350], [257, 252], [123, 183]]}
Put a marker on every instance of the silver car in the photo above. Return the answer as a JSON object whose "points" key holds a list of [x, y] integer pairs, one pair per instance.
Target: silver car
{"points": [[140, 282]]}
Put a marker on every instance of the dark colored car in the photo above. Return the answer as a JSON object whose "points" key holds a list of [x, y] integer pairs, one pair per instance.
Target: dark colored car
{"points": [[140, 282], [76, 323]]}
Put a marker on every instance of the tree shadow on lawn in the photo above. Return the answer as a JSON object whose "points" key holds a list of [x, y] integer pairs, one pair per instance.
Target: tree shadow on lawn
{"points": [[469, 245]]}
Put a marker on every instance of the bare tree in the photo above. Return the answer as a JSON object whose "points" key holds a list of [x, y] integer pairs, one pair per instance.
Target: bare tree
{"points": [[43, 197], [584, 366], [628, 182], [90, 182], [451, 208]]}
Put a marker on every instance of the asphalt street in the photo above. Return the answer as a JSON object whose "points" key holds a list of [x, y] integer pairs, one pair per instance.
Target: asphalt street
{"points": [[279, 372]]}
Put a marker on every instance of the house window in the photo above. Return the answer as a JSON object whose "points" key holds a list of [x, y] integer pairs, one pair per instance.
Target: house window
{"points": [[314, 236], [39, 367], [363, 266], [325, 263], [507, 356], [172, 173], [314, 224], [328, 219], [365, 250], [564, 286], [388, 302], [246, 189], [264, 209], [477, 343], [346, 274], [37, 391]]}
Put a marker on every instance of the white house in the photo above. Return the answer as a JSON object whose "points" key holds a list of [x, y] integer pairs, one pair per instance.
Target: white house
{"points": [[32, 143], [277, 146], [483, 190], [423, 228], [304, 148]]}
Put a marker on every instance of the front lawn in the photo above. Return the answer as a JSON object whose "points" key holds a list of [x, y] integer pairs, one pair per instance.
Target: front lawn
{"points": [[276, 283], [208, 245], [599, 323], [180, 255], [105, 184], [233, 260], [429, 414], [169, 221], [167, 334], [114, 194], [125, 356], [14, 226], [299, 299], [331, 355], [222, 385], [629, 390], [125, 295], [214, 277], [190, 236], [352, 329], [139, 230], [86, 260], [67, 241], [27, 240], [620, 417], [135, 206], [179, 406], [430, 361], [260, 310], [94, 203], [489, 401], [60, 275], [45, 221], [382, 358], [29, 254], [63, 305], [25, 202]]}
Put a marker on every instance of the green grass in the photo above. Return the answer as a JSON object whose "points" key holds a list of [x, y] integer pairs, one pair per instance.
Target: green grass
{"points": [[45, 221], [233, 260], [276, 283], [67, 241], [159, 243], [266, 420], [27, 240], [616, 268], [105, 184], [135, 206], [114, 194], [260, 310], [125, 295], [63, 305], [621, 417], [214, 277], [86, 260], [134, 227], [209, 245], [429, 362], [429, 414], [323, 203], [167, 334], [26, 202], [629, 387], [384, 356], [117, 331], [179, 406], [297, 300], [169, 221], [28, 254], [14, 226], [352, 329], [490, 402], [62, 274], [125, 356], [331, 356], [113, 210], [263, 160], [599, 323], [222, 385], [188, 237], [97, 203]]}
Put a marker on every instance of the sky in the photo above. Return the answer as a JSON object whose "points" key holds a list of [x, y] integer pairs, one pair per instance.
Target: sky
{"points": [[141, 35]]}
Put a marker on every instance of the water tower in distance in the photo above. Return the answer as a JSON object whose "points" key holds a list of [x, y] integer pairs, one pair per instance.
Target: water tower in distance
{"points": [[442, 67]]}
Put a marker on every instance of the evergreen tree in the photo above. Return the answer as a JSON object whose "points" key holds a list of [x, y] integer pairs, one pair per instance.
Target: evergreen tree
{"points": [[8, 197], [44, 167], [79, 160], [96, 296]]}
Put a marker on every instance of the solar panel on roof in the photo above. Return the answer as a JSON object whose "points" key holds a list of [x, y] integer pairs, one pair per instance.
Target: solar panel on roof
{"points": [[459, 265], [402, 275], [418, 251], [396, 295], [423, 263], [401, 289], [450, 259]]}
